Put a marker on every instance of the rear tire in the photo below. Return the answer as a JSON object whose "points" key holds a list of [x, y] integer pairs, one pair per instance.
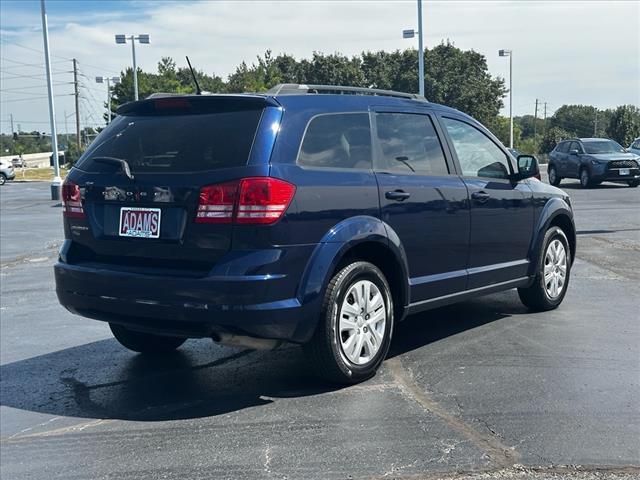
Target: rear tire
{"points": [[554, 178], [541, 296], [585, 178], [633, 183], [356, 321], [3, 179], [145, 342]]}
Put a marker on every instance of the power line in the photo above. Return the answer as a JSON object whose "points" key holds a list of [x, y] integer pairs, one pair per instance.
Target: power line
{"points": [[33, 86], [31, 48], [17, 62], [32, 98]]}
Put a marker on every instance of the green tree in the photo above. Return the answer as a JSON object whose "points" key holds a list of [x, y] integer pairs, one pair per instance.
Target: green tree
{"points": [[578, 120], [552, 137], [460, 79], [624, 126]]}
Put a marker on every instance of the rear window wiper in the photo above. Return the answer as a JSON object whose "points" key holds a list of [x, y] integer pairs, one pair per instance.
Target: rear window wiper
{"points": [[119, 162]]}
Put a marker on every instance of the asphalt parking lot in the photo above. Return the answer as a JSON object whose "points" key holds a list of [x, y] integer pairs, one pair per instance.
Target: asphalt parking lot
{"points": [[477, 390]]}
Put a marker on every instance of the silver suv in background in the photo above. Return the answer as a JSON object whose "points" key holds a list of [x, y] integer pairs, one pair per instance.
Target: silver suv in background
{"points": [[6, 171]]}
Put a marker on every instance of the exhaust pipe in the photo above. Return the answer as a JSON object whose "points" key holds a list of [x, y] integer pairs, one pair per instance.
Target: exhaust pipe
{"points": [[253, 343]]}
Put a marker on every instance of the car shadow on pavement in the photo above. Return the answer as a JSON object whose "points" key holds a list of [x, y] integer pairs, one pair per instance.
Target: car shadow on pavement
{"points": [[103, 380]]}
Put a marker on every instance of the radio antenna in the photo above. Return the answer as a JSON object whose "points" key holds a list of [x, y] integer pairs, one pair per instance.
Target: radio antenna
{"points": [[193, 74]]}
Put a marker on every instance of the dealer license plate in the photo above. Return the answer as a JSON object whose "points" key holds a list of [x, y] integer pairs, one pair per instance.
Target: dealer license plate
{"points": [[624, 171], [139, 222]]}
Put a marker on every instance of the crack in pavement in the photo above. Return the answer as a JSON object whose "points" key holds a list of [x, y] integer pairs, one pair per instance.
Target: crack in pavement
{"points": [[499, 454]]}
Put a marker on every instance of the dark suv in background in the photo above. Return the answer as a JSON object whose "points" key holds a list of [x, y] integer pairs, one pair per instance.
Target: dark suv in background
{"points": [[311, 214], [593, 161]]}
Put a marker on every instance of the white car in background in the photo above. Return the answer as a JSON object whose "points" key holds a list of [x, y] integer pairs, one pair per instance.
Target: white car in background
{"points": [[635, 146], [6, 171]]}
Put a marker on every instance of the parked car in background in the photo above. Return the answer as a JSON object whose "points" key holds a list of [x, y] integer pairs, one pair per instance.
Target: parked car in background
{"points": [[319, 215], [593, 160], [635, 146], [6, 171], [19, 163]]}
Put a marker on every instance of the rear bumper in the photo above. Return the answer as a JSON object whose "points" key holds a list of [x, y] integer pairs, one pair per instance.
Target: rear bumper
{"points": [[191, 307], [9, 174]]}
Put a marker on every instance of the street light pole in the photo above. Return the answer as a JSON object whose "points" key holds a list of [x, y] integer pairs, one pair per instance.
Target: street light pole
{"points": [[420, 52], [410, 34], [108, 81], [142, 38], [135, 68], [57, 181], [509, 53]]}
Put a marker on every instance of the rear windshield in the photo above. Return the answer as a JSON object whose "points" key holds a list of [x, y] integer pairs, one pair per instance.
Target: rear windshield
{"points": [[176, 143]]}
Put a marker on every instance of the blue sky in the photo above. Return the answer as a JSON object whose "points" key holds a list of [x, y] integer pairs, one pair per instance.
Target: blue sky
{"points": [[564, 51]]}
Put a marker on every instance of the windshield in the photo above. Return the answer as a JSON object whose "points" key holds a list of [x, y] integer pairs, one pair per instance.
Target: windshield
{"points": [[176, 143], [602, 146]]}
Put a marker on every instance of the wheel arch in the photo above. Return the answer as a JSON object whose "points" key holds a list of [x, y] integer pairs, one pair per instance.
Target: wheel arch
{"points": [[556, 213], [357, 238]]}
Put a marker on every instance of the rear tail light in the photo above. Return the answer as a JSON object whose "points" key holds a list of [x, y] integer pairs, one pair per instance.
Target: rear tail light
{"points": [[72, 200], [255, 200], [216, 203]]}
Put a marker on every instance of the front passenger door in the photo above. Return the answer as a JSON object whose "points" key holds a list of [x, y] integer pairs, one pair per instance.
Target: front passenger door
{"points": [[501, 209], [422, 202]]}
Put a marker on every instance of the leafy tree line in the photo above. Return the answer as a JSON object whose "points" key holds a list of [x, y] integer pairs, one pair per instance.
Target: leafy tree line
{"points": [[621, 124], [454, 77]]}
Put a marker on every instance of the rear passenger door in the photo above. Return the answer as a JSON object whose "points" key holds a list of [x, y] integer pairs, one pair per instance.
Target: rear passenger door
{"points": [[501, 208], [422, 201]]}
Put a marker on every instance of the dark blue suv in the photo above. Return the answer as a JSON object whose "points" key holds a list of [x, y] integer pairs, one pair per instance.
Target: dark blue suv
{"points": [[318, 215]]}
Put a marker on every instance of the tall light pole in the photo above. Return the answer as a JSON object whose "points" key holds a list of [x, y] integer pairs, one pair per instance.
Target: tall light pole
{"points": [[509, 53], [410, 34], [107, 80], [57, 181], [142, 38]]}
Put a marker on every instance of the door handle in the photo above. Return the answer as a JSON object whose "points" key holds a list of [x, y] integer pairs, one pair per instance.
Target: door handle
{"points": [[480, 196], [398, 195]]}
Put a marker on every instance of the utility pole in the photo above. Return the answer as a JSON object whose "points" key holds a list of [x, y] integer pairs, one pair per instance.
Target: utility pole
{"points": [[57, 181], [545, 119], [595, 125], [77, 98], [535, 120], [11, 117]]}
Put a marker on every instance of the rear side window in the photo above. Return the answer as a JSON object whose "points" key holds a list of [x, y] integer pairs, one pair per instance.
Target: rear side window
{"points": [[340, 140], [409, 143], [176, 143]]}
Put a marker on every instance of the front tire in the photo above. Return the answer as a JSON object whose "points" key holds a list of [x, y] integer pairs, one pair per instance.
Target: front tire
{"points": [[145, 342], [3, 179], [633, 183], [585, 178], [554, 178], [552, 276], [354, 332]]}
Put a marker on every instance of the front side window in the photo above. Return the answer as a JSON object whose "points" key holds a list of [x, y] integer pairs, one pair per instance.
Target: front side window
{"points": [[340, 140], [409, 143], [563, 147], [477, 154]]}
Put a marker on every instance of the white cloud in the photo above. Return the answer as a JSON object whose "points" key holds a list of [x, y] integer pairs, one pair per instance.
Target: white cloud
{"points": [[564, 52]]}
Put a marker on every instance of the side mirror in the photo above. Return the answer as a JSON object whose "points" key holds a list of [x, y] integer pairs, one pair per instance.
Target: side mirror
{"points": [[528, 167], [573, 152]]}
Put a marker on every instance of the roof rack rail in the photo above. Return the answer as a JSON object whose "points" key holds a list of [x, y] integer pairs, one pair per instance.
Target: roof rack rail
{"points": [[297, 89]]}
